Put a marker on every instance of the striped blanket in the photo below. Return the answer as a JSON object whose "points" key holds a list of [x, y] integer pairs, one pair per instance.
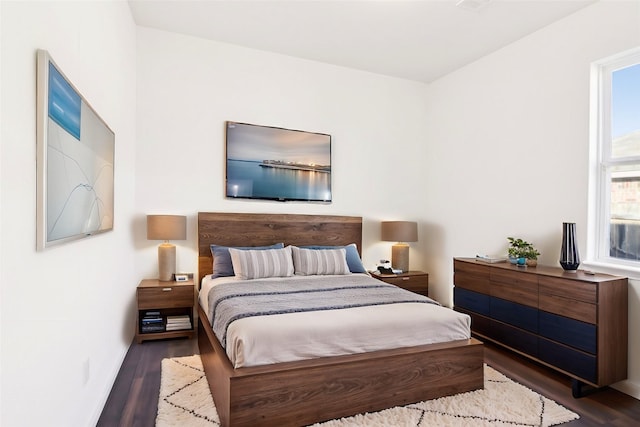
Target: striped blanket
{"points": [[232, 301]]}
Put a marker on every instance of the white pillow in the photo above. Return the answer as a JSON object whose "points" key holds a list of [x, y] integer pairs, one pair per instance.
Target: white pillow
{"points": [[319, 261], [256, 264]]}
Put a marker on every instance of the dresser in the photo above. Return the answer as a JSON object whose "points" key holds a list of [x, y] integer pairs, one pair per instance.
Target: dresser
{"points": [[573, 322]]}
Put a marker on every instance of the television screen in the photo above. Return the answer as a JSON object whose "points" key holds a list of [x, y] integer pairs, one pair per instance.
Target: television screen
{"points": [[265, 162], [75, 157]]}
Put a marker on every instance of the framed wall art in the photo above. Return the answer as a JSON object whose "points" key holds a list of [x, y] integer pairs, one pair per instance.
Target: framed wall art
{"points": [[75, 161]]}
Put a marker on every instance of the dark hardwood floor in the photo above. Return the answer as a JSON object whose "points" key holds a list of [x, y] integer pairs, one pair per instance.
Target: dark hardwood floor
{"points": [[134, 397], [133, 400]]}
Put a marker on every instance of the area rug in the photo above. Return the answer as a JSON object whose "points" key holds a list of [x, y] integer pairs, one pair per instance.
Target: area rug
{"points": [[185, 401]]}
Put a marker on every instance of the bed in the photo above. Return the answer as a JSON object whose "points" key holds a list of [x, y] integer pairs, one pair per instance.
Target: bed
{"points": [[303, 392]]}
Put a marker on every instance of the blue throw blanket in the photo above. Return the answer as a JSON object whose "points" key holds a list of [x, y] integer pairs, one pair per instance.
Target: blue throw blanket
{"points": [[232, 301]]}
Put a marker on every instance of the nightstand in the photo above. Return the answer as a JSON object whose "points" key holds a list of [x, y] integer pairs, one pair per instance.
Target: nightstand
{"points": [[414, 281], [165, 310]]}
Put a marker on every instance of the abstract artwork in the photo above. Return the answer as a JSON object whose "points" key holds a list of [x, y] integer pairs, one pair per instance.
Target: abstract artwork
{"points": [[75, 161]]}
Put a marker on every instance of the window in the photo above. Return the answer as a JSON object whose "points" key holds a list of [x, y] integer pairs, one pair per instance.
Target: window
{"points": [[615, 176]]}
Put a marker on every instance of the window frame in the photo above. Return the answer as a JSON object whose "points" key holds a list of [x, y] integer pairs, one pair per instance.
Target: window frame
{"points": [[601, 164]]}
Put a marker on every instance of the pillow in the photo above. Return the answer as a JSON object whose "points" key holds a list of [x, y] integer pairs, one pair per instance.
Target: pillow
{"points": [[325, 261], [222, 266], [256, 264], [353, 258]]}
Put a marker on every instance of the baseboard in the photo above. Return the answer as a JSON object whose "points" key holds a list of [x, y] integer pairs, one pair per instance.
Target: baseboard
{"points": [[115, 370], [628, 387]]}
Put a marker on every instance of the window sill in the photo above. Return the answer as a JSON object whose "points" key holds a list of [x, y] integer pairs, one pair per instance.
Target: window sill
{"points": [[631, 272]]}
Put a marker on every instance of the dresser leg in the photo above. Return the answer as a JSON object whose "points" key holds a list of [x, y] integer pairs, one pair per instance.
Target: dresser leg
{"points": [[576, 388], [580, 389]]}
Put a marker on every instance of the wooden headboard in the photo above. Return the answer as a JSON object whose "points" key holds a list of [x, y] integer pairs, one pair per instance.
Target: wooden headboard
{"points": [[254, 229]]}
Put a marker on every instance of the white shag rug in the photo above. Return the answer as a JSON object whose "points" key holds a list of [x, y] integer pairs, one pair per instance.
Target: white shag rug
{"points": [[185, 401]]}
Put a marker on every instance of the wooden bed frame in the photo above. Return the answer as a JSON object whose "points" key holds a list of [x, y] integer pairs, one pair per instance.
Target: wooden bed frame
{"points": [[305, 392]]}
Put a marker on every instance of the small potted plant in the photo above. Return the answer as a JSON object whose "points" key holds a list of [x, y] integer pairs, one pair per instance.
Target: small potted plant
{"points": [[532, 256], [522, 252]]}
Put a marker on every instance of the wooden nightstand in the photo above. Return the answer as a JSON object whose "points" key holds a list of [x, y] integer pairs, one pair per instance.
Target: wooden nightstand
{"points": [[165, 310], [414, 281]]}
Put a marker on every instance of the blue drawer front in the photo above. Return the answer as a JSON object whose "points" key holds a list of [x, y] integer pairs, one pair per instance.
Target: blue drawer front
{"points": [[479, 323], [470, 300], [514, 338], [576, 362], [515, 314], [572, 332]]}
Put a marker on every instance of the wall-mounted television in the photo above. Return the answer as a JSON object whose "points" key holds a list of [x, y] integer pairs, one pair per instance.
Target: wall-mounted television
{"points": [[272, 163], [75, 158]]}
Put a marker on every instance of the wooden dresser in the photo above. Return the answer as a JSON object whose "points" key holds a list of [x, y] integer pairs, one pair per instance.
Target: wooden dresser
{"points": [[573, 322]]}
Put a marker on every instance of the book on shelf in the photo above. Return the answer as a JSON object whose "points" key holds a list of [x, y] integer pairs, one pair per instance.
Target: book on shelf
{"points": [[178, 319], [154, 321], [178, 326], [152, 328]]}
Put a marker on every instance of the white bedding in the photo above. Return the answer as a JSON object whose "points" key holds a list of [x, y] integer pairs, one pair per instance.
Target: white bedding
{"points": [[287, 337]]}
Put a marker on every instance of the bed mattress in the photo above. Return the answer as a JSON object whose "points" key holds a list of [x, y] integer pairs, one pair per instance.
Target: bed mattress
{"points": [[261, 340]]}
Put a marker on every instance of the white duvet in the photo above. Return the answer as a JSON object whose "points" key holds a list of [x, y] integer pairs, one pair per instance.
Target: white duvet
{"points": [[287, 337]]}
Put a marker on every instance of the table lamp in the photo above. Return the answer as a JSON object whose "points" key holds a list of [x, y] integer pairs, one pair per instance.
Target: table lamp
{"points": [[401, 232], [166, 227]]}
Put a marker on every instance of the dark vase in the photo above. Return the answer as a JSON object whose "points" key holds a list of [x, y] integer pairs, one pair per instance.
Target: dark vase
{"points": [[569, 257]]}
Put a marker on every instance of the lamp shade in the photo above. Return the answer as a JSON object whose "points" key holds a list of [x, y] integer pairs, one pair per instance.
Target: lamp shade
{"points": [[399, 231], [166, 227]]}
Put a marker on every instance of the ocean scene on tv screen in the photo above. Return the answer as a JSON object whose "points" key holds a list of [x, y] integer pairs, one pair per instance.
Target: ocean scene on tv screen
{"points": [[279, 164]]}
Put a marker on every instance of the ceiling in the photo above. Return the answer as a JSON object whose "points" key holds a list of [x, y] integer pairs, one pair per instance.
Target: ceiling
{"points": [[416, 40]]}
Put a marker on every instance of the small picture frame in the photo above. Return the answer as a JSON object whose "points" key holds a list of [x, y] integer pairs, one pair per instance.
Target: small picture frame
{"points": [[181, 278]]}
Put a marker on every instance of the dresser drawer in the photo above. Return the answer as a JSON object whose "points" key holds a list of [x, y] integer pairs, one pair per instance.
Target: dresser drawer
{"points": [[473, 282], [573, 289], [480, 270], [517, 294], [571, 332], [513, 337], [516, 279], [515, 314], [578, 310], [169, 296], [581, 364], [479, 324], [472, 301]]}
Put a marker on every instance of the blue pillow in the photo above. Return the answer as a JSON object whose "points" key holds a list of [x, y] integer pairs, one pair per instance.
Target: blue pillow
{"points": [[222, 266], [353, 258]]}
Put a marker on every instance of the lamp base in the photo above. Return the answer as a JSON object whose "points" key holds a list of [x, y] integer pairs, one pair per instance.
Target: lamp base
{"points": [[400, 257], [166, 262]]}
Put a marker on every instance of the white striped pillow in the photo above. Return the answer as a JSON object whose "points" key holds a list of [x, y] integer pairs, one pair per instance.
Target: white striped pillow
{"points": [[251, 264], [319, 261]]}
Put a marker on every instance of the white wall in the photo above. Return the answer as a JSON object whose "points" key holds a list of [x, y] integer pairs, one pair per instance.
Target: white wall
{"points": [[508, 147], [189, 87], [67, 312]]}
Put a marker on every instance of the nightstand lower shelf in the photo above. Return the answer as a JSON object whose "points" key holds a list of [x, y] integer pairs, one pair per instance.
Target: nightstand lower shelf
{"points": [[162, 324]]}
